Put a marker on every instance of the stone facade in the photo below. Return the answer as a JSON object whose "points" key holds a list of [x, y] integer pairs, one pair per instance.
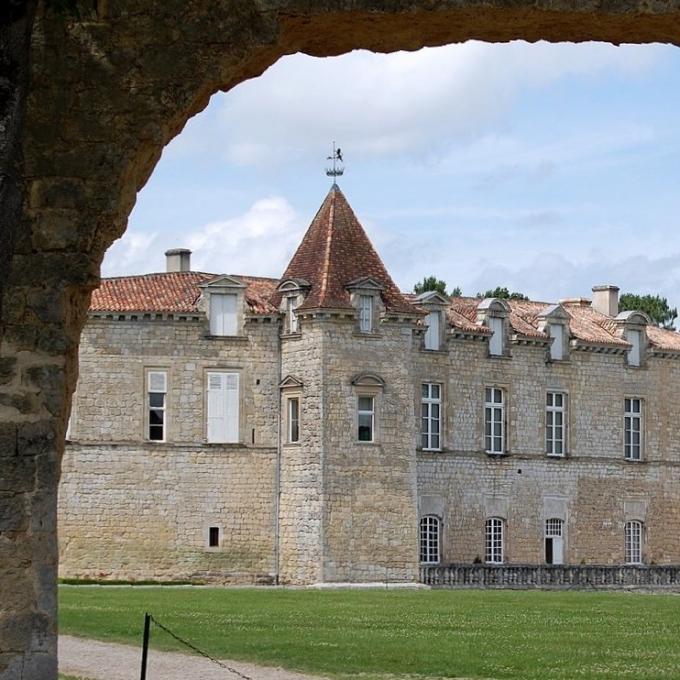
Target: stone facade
{"points": [[328, 503]]}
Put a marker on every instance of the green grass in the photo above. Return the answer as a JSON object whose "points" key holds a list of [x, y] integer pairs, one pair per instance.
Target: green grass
{"points": [[377, 633]]}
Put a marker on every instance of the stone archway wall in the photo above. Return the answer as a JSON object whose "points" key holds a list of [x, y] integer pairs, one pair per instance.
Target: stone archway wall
{"points": [[90, 103]]}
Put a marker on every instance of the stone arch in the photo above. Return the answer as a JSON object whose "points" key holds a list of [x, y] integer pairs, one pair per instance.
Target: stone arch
{"points": [[94, 99]]}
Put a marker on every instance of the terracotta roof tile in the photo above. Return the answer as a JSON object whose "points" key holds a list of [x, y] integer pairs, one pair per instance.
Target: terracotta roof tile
{"points": [[336, 251], [176, 292]]}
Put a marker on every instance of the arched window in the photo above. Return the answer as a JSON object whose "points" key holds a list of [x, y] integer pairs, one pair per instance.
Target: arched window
{"points": [[554, 541], [634, 542], [494, 540], [430, 528]]}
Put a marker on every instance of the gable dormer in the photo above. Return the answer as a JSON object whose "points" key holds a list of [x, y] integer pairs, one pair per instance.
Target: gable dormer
{"points": [[292, 292], [224, 305], [365, 296], [554, 322], [493, 313], [435, 304], [632, 327]]}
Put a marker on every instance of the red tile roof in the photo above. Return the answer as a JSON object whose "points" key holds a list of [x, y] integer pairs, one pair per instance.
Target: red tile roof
{"points": [[336, 251], [176, 292]]}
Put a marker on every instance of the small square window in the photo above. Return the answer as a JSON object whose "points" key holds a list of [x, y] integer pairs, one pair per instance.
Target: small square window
{"points": [[214, 537]]}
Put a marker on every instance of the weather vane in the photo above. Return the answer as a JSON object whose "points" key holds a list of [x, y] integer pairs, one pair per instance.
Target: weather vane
{"points": [[338, 168]]}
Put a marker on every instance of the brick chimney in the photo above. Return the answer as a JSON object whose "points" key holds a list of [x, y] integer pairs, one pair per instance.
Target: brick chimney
{"points": [[606, 300], [178, 260]]}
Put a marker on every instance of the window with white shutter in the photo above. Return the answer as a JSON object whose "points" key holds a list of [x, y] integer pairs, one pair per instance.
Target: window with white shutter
{"points": [[222, 407], [634, 353], [156, 398], [432, 332], [366, 313], [223, 314], [557, 346], [496, 340]]}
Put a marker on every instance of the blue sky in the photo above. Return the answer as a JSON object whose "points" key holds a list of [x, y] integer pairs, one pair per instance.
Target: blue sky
{"points": [[544, 168]]}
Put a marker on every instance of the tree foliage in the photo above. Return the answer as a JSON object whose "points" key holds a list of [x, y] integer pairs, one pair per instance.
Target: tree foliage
{"points": [[503, 293], [433, 283], [655, 306]]}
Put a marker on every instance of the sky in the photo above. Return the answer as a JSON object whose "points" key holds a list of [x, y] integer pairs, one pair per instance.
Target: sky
{"points": [[544, 168]]}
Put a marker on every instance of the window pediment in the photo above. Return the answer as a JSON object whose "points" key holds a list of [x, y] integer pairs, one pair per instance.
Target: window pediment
{"points": [[293, 285], [554, 314], [291, 382], [432, 297], [223, 283], [633, 318], [368, 379], [493, 307], [365, 283]]}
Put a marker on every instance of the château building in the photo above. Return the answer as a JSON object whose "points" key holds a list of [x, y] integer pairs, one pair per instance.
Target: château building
{"points": [[327, 427]]}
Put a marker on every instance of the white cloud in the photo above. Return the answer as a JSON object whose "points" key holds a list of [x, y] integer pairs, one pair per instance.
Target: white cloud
{"points": [[130, 254], [401, 103], [258, 242]]}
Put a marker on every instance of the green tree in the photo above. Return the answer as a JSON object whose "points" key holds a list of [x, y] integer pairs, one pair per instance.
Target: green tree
{"points": [[430, 283], [656, 307], [503, 293]]}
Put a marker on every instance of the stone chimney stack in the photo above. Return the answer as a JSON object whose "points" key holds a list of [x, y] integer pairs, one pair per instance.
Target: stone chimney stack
{"points": [[606, 300], [179, 260]]}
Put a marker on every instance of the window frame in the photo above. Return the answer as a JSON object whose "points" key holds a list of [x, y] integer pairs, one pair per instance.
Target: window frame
{"points": [[633, 542], [556, 331], [549, 533], [500, 330], [430, 337], [292, 321], [429, 539], [629, 416], [427, 403], [494, 548], [636, 347], [490, 407], [551, 410], [157, 409], [224, 372], [290, 400], [372, 413]]}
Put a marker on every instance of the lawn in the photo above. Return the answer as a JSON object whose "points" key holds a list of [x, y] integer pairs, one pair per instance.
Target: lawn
{"points": [[378, 633]]}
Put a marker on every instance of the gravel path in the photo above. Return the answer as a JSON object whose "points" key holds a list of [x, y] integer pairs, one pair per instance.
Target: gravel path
{"points": [[109, 661]]}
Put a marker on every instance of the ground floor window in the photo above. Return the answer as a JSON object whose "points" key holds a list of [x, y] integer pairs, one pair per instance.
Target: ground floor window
{"points": [[494, 540], [634, 542], [554, 541], [429, 539]]}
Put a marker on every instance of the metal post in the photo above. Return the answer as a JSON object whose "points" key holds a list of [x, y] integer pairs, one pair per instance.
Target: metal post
{"points": [[145, 644]]}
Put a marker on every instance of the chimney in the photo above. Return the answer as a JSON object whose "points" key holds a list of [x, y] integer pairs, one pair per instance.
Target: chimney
{"points": [[178, 260], [606, 300]]}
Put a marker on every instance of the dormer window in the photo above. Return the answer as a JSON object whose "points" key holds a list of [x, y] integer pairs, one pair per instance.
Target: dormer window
{"points": [[432, 334], [223, 319], [632, 328], [553, 321], [366, 313], [492, 313]]}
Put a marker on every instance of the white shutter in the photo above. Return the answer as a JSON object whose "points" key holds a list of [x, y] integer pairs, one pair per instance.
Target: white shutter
{"points": [[634, 338], [223, 314], [223, 407], [232, 406], [557, 347], [157, 381], [496, 341], [432, 332], [558, 550]]}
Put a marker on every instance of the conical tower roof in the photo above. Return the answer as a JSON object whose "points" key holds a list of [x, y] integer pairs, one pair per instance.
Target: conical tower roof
{"points": [[336, 252]]}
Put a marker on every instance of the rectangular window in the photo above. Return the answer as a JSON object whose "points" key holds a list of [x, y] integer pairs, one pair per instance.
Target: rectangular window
{"points": [[157, 388], [557, 346], [366, 418], [635, 339], [291, 304], [429, 540], [633, 429], [633, 542], [293, 420], [430, 416], [496, 340], [554, 541], [222, 407], [214, 537], [555, 423], [432, 333], [366, 313], [494, 540], [494, 420], [223, 314]]}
